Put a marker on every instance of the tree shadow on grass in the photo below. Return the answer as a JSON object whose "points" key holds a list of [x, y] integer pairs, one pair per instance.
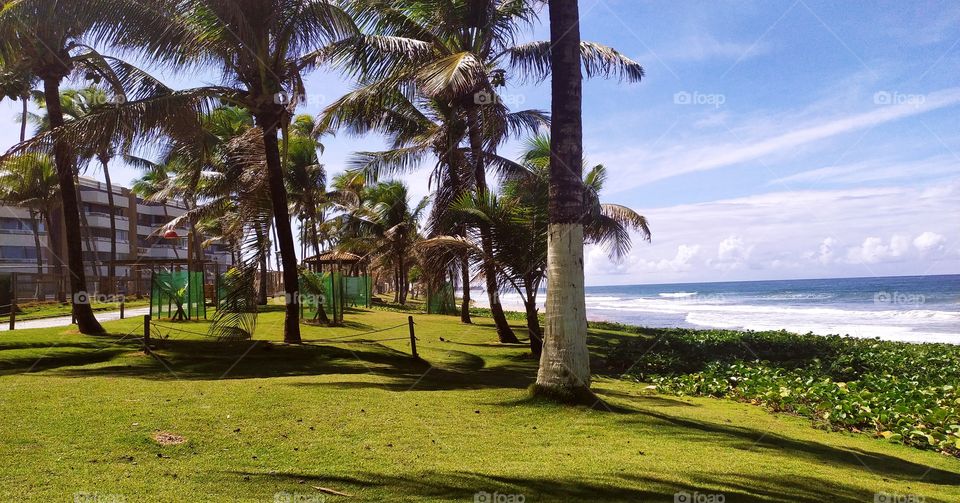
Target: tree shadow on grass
{"points": [[57, 358], [614, 486], [748, 439], [198, 359]]}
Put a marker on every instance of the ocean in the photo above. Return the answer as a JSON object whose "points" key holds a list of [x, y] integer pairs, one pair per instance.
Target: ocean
{"points": [[904, 308]]}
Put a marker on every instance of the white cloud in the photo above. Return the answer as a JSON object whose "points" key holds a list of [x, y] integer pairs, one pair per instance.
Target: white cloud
{"points": [[679, 263], [804, 233], [732, 253], [929, 242], [877, 170], [755, 141], [874, 250], [825, 252]]}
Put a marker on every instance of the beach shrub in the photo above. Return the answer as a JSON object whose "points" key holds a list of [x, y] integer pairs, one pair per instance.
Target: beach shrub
{"points": [[902, 392]]}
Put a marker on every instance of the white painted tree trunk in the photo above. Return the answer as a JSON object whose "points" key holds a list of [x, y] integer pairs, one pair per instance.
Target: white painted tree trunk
{"points": [[565, 362]]}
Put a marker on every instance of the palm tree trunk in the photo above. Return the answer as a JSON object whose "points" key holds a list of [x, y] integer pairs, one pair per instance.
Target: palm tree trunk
{"points": [[262, 290], [24, 113], [533, 318], [65, 161], [565, 363], [111, 268], [281, 217], [465, 305], [504, 332], [33, 215], [87, 236], [36, 243]]}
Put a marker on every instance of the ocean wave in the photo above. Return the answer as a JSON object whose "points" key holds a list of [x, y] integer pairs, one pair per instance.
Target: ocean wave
{"points": [[677, 295]]}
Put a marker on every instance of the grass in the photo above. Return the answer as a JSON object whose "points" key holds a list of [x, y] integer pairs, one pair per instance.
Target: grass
{"points": [[262, 421]]}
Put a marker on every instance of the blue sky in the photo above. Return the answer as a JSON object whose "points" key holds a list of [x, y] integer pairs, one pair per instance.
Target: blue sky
{"points": [[773, 139]]}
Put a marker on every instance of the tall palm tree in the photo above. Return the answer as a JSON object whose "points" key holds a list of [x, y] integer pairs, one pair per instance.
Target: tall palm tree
{"points": [[263, 47], [518, 218], [306, 177], [462, 52], [76, 104], [46, 38], [30, 181], [387, 226], [417, 129], [565, 362]]}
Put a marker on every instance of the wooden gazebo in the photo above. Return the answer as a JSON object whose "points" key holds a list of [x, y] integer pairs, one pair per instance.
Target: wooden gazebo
{"points": [[337, 261]]}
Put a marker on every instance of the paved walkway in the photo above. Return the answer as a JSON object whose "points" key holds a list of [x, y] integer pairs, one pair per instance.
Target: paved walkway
{"points": [[63, 321]]}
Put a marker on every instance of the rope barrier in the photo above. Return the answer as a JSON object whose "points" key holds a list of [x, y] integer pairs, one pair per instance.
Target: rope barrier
{"points": [[168, 327], [341, 338], [331, 339]]}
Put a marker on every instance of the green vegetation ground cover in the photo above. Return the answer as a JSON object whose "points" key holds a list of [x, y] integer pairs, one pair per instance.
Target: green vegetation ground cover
{"points": [[905, 393], [78, 415]]}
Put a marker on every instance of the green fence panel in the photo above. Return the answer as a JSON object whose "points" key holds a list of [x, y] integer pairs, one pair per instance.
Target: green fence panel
{"points": [[357, 291], [442, 301], [177, 294], [314, 288]]}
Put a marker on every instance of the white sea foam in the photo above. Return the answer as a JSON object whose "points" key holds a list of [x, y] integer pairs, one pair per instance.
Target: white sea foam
{"points": [[677, 295], [914, 325]]}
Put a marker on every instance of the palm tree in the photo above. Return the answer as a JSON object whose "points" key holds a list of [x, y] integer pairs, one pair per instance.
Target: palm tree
{"points": [[30, 181], [306, 177], [518, 219], [461, 53], [565, 362], [415, 133], [388, 228], [76, 104], [45, 38], [264, 46]]}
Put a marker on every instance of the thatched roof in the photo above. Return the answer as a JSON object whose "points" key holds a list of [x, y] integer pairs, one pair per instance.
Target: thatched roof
{"points": [[333, 257]]}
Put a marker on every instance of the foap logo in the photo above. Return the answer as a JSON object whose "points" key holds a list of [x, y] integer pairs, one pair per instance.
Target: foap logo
{"points": [[715, 100], [495, 497], [485, 97], [883, 497], [698, 497], [899, 299], [307, 299], [285, 497], [86, 497], [281, 98], [100, 298], [884, 98], [81, 297]]}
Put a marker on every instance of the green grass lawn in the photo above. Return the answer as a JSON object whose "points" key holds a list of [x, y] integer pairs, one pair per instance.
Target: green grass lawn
{"points": [[361, 417]]}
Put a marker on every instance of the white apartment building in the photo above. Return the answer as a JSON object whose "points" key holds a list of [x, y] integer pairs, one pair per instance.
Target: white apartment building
{"points": [[137, 221]]}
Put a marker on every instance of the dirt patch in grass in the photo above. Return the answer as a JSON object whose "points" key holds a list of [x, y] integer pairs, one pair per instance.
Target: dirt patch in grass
{"points": [[167, 438]]}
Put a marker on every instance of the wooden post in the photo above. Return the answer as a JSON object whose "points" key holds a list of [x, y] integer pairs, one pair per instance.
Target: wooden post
{"points": [[146, 333], [13, 301], [413, 337], [122, 299]]}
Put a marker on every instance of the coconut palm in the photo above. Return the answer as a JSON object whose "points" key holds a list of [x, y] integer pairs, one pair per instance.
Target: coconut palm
{"points": [[76, 104], [46, 39], [462, 53], [263, 47], [518, 218], [415, 133], [30, 181], [306, 177], [565, 362], [387, 227]]}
